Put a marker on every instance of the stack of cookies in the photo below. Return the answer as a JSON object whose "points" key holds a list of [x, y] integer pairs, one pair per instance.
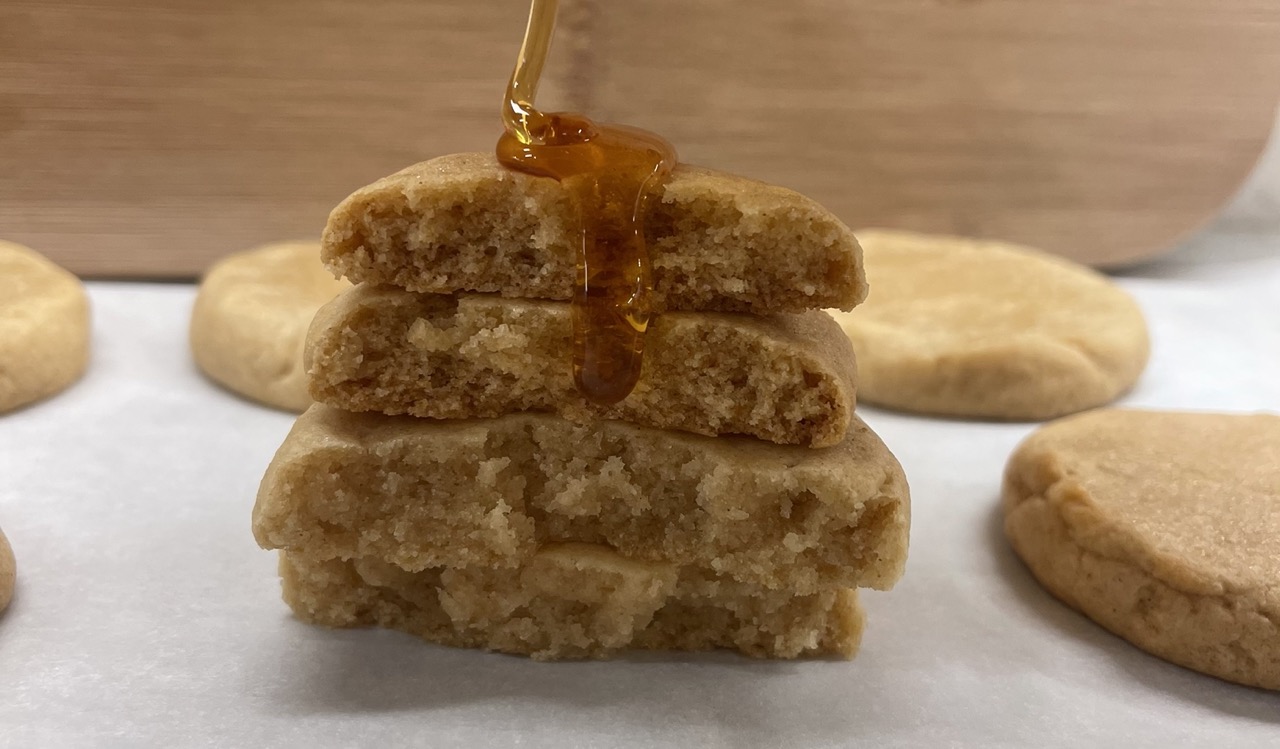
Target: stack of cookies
{"points": [[451, 482]]}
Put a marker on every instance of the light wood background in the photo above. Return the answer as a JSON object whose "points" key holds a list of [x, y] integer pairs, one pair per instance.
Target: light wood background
{"points": [[147, 138]]}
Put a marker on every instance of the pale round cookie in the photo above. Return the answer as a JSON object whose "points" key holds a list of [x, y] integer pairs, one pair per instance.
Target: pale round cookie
{"points": [[1162, 527], [8, 572], [963, 327], [251, 316], [44, 327]]}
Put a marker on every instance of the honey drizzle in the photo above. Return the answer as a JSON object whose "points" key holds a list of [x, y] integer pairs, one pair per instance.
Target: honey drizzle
{"points": [[612, 173]]}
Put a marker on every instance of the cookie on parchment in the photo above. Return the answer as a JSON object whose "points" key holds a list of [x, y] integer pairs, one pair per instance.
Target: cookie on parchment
{"points": [[421, 493], [785, 378], [44, 327], [975, 328], [251, 317], [717, 242], [573, 600], [1162, 527], [8, 572]]}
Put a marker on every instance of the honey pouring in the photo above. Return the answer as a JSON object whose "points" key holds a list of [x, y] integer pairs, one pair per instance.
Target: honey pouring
{"points": [[612, 173]]}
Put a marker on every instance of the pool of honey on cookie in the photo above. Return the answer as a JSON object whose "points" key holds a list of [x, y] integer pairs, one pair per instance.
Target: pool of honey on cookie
{"points": [[612, 174]]}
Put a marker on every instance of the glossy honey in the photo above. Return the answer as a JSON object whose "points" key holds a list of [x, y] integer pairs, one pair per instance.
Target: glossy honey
{"points": [[612, 173]]}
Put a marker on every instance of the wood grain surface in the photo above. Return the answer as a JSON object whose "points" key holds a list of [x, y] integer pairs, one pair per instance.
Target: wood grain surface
{"points": [[1105, 130], [146, 138], [149, 137]]}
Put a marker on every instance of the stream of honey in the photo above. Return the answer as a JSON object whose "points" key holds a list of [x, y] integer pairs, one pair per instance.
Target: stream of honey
{"points": [[612, 173]]}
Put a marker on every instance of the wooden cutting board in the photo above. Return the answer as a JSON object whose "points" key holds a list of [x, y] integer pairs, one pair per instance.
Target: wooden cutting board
{"points": [[148, 138]]}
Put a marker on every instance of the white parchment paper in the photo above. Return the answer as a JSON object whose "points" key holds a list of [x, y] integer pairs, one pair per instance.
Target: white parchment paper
{"points": [[146, 616]]}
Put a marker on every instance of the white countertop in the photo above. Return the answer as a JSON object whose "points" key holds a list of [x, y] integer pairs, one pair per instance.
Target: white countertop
{"points": [[146, 616]]}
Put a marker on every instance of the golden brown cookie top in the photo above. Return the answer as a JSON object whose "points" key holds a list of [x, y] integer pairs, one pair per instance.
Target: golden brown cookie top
{"points": [[953, 292], [1191, 498], [717, 241], [279, 275], [44, 327], [250, 318], [987, 329], [27, 278]]}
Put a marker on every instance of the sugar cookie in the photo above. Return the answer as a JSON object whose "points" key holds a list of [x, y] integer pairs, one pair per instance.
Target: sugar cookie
{"points": [[44, 327], [985, 329], [421, 493], [8, 572], [570, 601], [716, 241], [786, 378], [250, 321], [1162, 527]]}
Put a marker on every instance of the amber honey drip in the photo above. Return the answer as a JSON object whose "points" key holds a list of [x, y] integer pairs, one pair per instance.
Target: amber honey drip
{"points": [[612, 173]]}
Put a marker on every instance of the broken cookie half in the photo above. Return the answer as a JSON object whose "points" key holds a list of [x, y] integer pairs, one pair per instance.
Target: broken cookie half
{"points": [[490, 492], [716, 241], [573, 601], [785, 378]]}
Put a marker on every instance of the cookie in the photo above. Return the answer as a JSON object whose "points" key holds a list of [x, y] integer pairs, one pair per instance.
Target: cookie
{"points": [[487, 493], [785, 378], [973, 328], [250, 321], [1162, 527], [8, 572], [572, 601], [716, 241], [44, 327]]}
